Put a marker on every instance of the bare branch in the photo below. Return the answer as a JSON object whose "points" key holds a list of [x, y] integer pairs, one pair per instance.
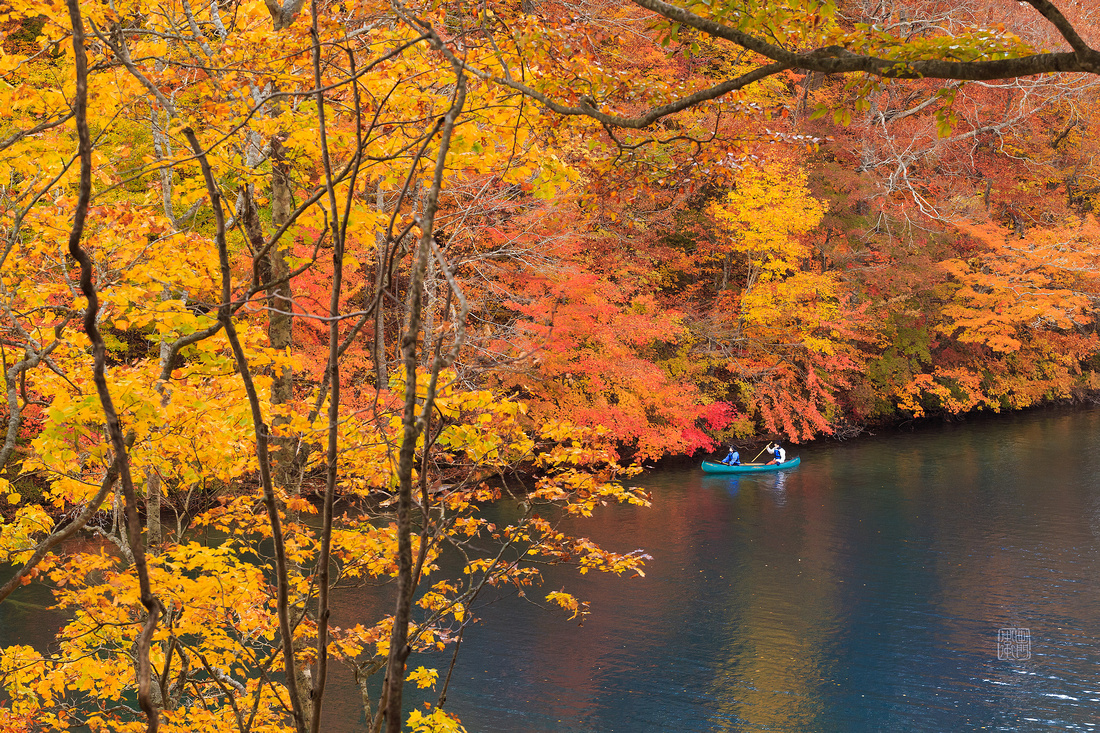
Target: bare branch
{"points": [[838, 60], [225, 316], [1046, 8], [333, 373], [122, 53], [16, 137], [58, 536], [99, 350]]}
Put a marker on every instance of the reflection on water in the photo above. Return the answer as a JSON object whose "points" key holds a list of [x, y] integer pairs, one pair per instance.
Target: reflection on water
{"points": [[733, 484], [862, 591]]}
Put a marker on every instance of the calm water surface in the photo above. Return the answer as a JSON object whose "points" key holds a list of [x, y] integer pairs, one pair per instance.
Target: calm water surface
{"points": [[862, 591]]}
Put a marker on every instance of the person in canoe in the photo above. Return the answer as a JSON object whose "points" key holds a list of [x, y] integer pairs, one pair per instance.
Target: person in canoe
{"points": [[779, 455], [733, 458]]}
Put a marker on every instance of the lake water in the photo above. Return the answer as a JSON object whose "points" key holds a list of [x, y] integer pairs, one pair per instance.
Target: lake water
{"points": [[863, 591]]}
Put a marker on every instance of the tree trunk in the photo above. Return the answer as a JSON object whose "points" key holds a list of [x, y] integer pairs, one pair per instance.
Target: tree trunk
{"points": [[280, 304], [153, 484], [413, 424], [152, 509], [429, 311], [381, 281]]}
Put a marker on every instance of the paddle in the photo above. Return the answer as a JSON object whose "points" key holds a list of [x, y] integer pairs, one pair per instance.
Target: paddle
{"points": [[769, 445]]}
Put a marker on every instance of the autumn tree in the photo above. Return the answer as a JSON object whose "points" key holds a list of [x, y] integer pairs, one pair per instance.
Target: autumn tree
{"points": [[265, 167], [259, 256]]}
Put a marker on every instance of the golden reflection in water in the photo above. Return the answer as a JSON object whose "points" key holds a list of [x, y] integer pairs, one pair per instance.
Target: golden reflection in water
{"points": [[782, 614]]}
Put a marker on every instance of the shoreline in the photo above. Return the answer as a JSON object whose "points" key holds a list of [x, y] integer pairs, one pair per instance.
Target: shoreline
{"points": [[891, 427]]}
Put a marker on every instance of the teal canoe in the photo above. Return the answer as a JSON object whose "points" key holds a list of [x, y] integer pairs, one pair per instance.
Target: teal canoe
{"points": [[712, 467]]}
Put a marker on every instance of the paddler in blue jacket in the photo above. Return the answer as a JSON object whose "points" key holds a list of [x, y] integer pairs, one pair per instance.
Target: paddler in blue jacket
{"points": [[733, 458]]}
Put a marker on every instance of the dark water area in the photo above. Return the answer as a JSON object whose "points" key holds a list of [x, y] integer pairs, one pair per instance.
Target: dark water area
{"points": [[862, 591]]}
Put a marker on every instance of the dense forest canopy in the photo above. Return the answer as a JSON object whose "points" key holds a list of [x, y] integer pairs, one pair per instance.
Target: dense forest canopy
{"points": [[262, 264]]}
